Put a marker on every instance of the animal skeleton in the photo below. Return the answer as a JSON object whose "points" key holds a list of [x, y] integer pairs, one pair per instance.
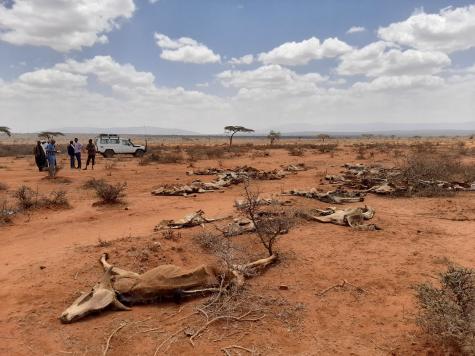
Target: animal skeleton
{"points": [[353, 217], [119, 287]]}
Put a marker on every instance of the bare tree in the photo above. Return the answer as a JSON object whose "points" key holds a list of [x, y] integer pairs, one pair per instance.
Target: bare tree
{"points": [[323, 137], [5, 130], [273, 136], [235, 129], [49, 134], [269, 224]]}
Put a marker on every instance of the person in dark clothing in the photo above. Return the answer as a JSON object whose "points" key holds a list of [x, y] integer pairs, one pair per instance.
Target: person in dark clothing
{"points": [[91, 154], [40, 156], [71, 154]]}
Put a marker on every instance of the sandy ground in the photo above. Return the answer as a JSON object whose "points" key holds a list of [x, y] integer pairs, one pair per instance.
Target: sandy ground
{"points": [[48, 257]]}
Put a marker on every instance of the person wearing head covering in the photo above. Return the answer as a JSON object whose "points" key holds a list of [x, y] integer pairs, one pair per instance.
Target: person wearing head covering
{"points": [[40, 157]]}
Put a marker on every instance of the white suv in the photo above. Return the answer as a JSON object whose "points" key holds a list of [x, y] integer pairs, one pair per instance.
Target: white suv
{"points": [[109, 145]]}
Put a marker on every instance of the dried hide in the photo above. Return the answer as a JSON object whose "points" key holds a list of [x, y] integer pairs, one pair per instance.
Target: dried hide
{"points": [[195, 219], [338, 196], [119, 286], [184, 190], [243, 203], [294, 167], [353, 217], [239, 226]]}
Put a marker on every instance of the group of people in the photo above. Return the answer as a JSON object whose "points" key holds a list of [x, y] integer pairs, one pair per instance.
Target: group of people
{"points": [[45, 156]]}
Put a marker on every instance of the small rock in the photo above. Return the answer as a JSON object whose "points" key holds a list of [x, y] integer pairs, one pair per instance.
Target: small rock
{"points": [[126, 208], [283, 287], [42, 267]]}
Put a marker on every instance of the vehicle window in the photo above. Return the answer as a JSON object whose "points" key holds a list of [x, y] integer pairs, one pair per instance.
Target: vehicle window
{"points": [[104, 141], [125, 142], [114, 140]]}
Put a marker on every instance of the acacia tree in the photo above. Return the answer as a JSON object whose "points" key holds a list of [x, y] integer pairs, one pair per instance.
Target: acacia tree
{"points": [[273, 136], [5, 130], [232, 130], [323, 137], [49, 134]]}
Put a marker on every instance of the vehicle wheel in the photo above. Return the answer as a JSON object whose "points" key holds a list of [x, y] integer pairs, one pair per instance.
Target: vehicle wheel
{"points": [[109, 153], [139, 153]]}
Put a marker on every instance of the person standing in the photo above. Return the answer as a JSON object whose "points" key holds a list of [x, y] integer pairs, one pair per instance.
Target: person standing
{"points": [[40, 157], [51, 157], [72, 154], [91, 154], [77, 151]]}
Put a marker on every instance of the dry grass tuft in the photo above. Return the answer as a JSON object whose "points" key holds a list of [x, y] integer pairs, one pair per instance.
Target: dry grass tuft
{"points": [[110, 193], [448, 313]]}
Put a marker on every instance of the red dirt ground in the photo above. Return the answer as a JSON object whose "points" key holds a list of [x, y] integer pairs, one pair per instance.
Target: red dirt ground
{"points": [[48, 257]]}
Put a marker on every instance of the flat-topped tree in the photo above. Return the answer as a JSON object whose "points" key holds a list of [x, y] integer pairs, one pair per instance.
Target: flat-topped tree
{"points": [[273, 136], [234, 130], [323, 137], [5, 130], [49, 134]]}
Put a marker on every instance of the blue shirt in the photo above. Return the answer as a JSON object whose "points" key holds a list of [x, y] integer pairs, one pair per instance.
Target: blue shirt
{"points": [[51, 150]]}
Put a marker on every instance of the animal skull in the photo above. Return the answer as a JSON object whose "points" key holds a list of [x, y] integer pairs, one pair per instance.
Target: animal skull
{"points": [[100, 297]]}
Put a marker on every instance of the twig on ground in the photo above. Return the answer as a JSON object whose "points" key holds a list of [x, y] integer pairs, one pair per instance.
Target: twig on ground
{"points": [[222, 317], [167, 339], [341, 285], [227, 348], [124, 323]]}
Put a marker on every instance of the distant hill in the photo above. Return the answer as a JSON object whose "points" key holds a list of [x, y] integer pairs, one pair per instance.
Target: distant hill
{"points": [[144, 130]]}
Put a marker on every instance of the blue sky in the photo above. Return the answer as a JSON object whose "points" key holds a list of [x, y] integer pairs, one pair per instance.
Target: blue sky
{"points": [[303, 83]]}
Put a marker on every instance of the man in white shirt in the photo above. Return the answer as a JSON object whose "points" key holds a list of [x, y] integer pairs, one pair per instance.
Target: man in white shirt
{"points": [[77, 151]]}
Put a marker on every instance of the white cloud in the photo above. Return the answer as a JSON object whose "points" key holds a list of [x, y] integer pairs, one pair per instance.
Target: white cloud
{"points": [[400, 82], [382, 58], [62, 25], [247, 59], [52, 78], [272, 79], [300, 53], [356, 29], [452, 29], [185, 49], [68, 93], [109, 72]]}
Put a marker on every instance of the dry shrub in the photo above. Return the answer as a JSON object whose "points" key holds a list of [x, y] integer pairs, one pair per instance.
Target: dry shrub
{"points": [[213, 243], [270, 222], [199, 152], [422, 170], [93, 183], [327, 148], [3, 186], [295, 151], [448, 313], [56, 199], [361, 151], [14, 150], [163, 157], [110, 193], [29, 199]]}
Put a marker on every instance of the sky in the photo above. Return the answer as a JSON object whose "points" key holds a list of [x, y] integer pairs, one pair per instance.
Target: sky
{"points": [[200, 65]]}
